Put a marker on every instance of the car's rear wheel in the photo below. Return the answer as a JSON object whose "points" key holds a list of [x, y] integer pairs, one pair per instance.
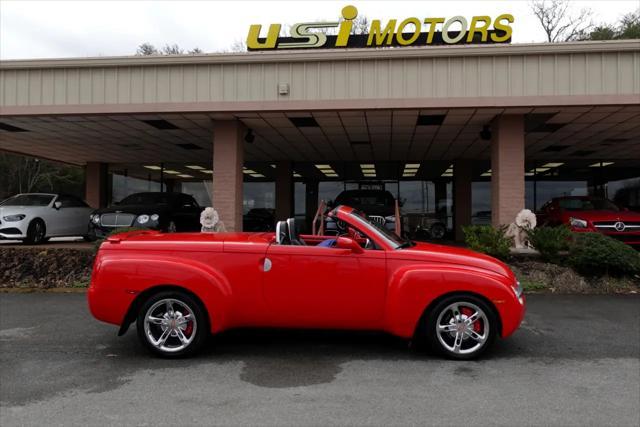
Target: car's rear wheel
{"points": [[172, 324], [460, 327], [437, 231], [36, 232]]}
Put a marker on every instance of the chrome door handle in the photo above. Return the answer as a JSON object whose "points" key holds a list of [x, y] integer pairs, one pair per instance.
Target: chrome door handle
{"points": [[267, 265]]}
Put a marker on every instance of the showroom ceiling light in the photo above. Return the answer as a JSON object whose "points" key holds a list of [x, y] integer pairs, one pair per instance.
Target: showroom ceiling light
{"points": [[449, 171], [368, 170], [257, 175], [410, 170], [171, 172], [327, 170], [153, 167], [184, 175], [195, 167], [540, 170], [248, 171], [601, 164], [297, 175], [487, 173], [209, 171], [553, 165]]}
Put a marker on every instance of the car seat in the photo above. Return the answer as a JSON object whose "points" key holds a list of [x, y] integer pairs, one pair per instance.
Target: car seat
{"points": [[293, 233], [282, 233]]}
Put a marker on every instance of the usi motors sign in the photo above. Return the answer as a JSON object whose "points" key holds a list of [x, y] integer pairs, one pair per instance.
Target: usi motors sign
{"points": [[408, 32]]}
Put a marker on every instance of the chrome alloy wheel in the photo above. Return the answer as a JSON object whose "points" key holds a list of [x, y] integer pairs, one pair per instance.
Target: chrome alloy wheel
{"points": [[170, 325], [462, 328]]}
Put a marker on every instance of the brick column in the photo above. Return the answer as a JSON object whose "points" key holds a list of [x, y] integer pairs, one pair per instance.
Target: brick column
{"points": [[228, 158], [284, 190], [463, 176], [96, 184], [507, 168]]}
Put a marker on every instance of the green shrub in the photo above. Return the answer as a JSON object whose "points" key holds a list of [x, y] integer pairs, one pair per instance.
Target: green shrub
{"points": [[487, 240], [549, 241], [597, 254]]}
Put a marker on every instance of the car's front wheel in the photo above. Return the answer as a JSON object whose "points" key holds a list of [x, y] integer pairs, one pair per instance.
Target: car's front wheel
{"points": [[460, 327], [172, 324], [36, 232]]}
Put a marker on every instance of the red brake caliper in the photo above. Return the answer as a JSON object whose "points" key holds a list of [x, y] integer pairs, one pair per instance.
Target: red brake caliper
{"points": [[477, 327], [188, 329]]}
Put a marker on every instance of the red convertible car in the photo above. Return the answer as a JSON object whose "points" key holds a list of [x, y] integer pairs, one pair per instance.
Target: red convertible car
{"points": [[591, 214], [180, 287]]}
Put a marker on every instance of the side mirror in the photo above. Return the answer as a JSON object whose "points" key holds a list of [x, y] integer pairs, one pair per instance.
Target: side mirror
{"points": [[57, 205], [348, 243]]}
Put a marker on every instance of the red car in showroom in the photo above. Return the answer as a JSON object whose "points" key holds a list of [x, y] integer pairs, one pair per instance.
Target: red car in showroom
{"points": [[586, 213], [180, 287]]}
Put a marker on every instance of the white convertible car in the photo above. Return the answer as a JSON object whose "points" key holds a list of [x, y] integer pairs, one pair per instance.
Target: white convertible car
{"points": [[35, 217]]}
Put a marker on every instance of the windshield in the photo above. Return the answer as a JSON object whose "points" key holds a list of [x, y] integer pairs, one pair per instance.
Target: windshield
{"points": [[587, 205], [146, 199], [392, 238], [28, 200], [365, 199]]}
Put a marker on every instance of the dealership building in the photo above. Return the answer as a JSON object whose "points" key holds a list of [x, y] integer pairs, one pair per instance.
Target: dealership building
{"points": [[467, 133]]}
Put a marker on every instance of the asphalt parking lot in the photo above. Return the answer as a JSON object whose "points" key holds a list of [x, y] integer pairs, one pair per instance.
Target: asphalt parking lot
{"points": [[575, 361]]}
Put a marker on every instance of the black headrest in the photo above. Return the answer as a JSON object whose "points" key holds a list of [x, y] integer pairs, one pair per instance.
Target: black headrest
{"points": [[293, 233], [282, 233]]}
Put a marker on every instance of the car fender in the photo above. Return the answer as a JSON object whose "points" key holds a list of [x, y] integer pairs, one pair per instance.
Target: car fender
{"points": [[413, 288], [121, 281]]}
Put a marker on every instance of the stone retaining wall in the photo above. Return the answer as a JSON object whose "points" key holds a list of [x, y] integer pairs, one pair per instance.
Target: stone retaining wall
{"points": [[41, 267]]}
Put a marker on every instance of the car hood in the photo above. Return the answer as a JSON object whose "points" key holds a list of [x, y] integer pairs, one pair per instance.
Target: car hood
{"points": [[428, 252], [602, 215], [14, 210], [135, 209]]}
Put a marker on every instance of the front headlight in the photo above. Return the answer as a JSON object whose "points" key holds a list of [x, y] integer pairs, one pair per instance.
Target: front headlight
{"points": [[95, 219], [155, 217], [143, 219], [577, 223], [517, 288], [10, 218]]}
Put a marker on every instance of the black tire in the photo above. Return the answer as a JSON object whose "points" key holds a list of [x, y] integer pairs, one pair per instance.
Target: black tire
{"points": [[200, 331], [427, 334], [437, 231], [91, 237], [36, 232]]}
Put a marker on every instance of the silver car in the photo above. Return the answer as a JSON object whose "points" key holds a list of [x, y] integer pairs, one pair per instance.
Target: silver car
{"points": [[35, 217]]}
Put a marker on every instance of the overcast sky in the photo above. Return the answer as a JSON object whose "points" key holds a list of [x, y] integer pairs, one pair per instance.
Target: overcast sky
{"points": [[56, 29]]}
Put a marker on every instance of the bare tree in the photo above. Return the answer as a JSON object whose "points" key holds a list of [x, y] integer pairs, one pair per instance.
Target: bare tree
{"points": [[559, 22], [238, 46], [173, 49], [146, 49]]}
